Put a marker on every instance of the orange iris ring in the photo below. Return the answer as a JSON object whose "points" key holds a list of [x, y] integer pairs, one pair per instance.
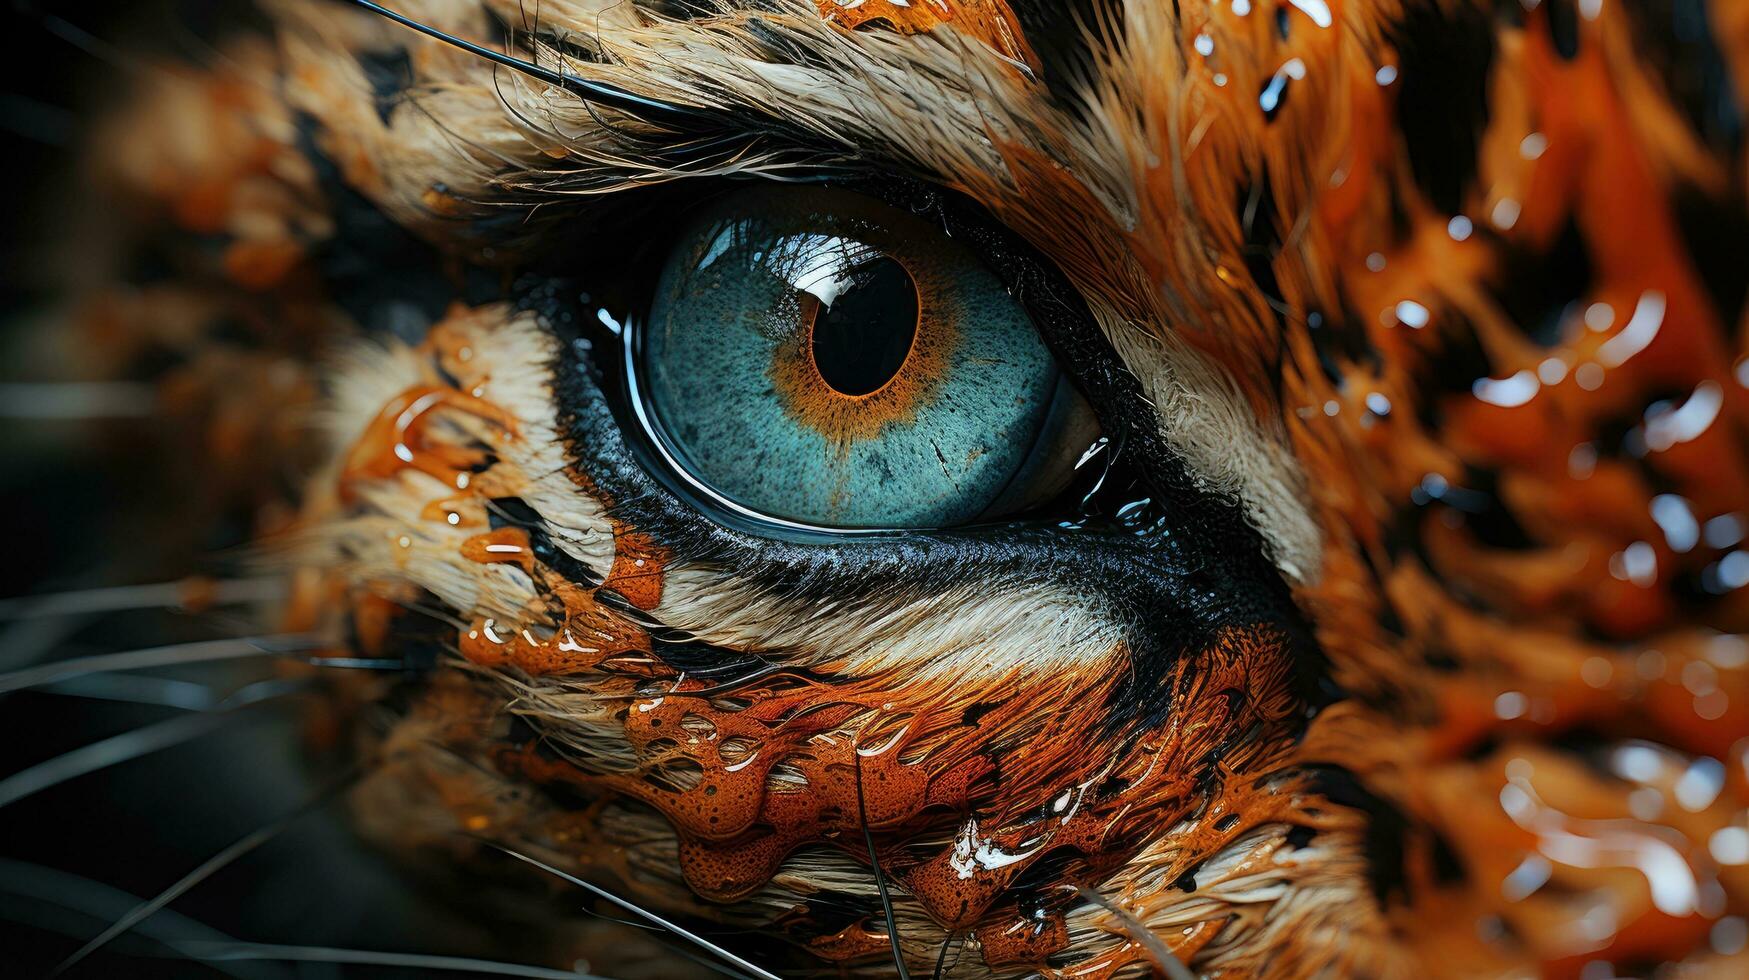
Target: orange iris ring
{"points": [[845, 419]]}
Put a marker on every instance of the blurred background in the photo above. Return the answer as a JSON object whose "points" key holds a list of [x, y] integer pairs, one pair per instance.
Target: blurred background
{"points": [[113, 786]]}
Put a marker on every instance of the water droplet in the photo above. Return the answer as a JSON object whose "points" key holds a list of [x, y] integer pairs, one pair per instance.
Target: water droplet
{"points": [[1275, 90], [1637, 563], [1582, 461], [1700, 784], [1674, 517], [1412, 314], [1646, 803], [1317, 10], [1532, 873], [1511, 392], [1734, 570], [1509, 705], [1134, 513], [1505, 213], [1730, 934], [1723, 531]]}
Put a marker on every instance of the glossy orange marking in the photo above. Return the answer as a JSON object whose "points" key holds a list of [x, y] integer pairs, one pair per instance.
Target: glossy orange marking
{"points": [[453, 346], [638, 559], [857, 941], [589, 635], [503, 546], [638, 562], [464, 510], [1022, 941], [990, 21], [395, 439], [781, 766]]}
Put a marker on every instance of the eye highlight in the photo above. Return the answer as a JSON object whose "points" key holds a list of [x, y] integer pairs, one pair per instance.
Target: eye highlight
{"points": [[818, 357]]}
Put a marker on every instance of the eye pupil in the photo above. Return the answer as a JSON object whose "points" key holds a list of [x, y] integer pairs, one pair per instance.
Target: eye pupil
{"points": [[861, 339]]}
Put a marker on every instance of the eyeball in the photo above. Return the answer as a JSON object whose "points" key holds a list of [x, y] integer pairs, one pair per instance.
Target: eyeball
{"points": [[818, 357]]}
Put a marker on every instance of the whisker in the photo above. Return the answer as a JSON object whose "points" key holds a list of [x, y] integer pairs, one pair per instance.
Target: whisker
{"points": [[159, 692], [941, 957], [687, 954], [207, 869], [270, 645], [51, 887], [140, 742], [82, 39], [1162, 955], [27, 640], [637, 910], [191, 939], [880, 878], [154, 596], [76, 401], [38, 121], [210, 951], [357, 663]]}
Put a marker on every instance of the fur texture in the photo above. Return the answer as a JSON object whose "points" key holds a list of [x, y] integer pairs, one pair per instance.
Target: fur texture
{"points": [[1422, 314]]}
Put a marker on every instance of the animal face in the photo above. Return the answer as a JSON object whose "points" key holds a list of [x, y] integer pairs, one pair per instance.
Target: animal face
{"points": [[1004, 489]]}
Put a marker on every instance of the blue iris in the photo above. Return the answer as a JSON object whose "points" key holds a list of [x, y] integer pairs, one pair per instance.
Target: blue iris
{"points": [[817, 357]]}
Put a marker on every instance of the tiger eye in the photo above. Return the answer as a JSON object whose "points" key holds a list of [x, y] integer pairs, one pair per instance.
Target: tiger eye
{"points": [[817, 357]]}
